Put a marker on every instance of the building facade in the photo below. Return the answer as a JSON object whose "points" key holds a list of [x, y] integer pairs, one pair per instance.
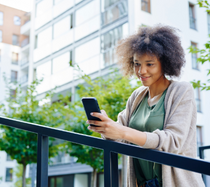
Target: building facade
{"points": [[85, 32], [11, 41]]}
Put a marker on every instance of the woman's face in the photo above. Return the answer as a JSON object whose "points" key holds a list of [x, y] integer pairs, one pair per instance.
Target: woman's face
{"points": [[147, 68]]}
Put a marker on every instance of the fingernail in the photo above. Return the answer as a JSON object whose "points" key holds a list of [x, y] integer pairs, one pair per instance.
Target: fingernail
{"points": [[91, 113]]}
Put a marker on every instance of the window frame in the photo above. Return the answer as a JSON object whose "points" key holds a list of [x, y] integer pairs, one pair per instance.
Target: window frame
{"points": [[17, 42], [11, 175], [15, 62], [198, 100], [2, 13], [194, 56], [148, 3], [193, 17], [16, 21]]}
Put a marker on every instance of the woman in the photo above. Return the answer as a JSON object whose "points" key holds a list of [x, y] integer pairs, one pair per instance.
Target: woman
{"points": [[161, 114]]}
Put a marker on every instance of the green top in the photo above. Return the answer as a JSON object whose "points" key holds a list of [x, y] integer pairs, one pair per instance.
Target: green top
{"points": [[146, 118]]}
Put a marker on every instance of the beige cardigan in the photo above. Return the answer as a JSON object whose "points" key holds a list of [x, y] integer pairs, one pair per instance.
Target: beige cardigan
{"points": [[178, 135]]}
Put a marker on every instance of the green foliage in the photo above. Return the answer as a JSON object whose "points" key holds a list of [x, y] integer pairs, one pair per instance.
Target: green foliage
{"points": [[22, 145], [112, 93], [204, 54], [18, 173]]}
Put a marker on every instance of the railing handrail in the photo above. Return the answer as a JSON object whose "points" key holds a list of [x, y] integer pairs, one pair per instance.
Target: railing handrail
{"points": [[110, 148]]}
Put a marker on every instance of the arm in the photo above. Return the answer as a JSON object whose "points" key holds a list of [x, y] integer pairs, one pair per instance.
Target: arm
{"points": [[113, 130]]}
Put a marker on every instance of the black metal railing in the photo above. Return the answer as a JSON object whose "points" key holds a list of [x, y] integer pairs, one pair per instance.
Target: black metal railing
{"points": [[111, 150], [201, 154]]}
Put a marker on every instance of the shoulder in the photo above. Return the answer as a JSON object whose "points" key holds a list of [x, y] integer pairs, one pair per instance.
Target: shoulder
{"points": [[180, 89], [139, 90]]}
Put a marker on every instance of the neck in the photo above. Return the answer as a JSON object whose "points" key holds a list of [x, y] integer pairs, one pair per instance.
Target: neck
{"points": [[159, 86]]}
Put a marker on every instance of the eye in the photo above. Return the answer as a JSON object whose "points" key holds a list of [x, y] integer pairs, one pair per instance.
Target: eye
{"points": [[137, 64], [150, 64]]}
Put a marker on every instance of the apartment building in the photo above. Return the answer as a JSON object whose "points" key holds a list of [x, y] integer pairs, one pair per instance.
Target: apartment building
{"points": [[86, 32], [11, 41]]}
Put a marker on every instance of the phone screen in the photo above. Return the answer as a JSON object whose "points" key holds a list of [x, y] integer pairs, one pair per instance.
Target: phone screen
{"points": [[91, 105]]}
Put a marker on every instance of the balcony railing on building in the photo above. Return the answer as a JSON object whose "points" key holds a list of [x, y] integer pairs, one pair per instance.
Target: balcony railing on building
{"points": [[24, 61], [25, 42], [24, 79]]}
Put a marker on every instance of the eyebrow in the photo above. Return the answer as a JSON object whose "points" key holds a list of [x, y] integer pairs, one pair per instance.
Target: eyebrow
{"points": [[145, 61]]}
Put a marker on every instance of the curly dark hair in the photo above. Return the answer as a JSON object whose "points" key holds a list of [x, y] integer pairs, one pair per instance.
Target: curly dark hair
{"points": [[161, 41]]}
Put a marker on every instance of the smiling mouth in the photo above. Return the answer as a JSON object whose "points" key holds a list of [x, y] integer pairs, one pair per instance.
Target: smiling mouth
{"points": [[144, 78]]}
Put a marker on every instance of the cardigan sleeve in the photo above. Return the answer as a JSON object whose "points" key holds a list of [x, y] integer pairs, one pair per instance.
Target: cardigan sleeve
{"points": [[182, 116]]}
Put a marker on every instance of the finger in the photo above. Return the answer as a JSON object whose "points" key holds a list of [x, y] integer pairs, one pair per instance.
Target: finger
{"points": [[96, 129], [99, 115], [99, 123], [104, 113]]}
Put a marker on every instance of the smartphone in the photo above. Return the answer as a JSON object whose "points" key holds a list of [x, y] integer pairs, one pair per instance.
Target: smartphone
{"points": [[91, 105]]}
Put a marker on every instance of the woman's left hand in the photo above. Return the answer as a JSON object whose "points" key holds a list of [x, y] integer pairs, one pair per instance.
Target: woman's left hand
{"points": [[107, 127]]}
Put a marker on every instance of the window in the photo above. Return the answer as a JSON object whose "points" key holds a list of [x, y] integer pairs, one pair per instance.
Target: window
{"points": [[43, 37], [42, 6], [109, 41], [192, 16], [14, 76], [0, 55], [9, 173], [12, 94], [8, 158], [114, 13], [14, 58], [208, 18], [0, 36], [145, 5], [62, 26], [17, 20], [15, 39], [198, 99], [1, 18], [199, 137], [195, 64], [107, 3]]}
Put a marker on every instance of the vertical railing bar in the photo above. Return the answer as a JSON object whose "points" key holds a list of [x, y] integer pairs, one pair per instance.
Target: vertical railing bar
{"points": [[42, 161], [201, 154], [107, 164], [114, 169]]}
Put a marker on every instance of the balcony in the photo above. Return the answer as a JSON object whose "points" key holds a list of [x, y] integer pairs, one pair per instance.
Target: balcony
{"points": [[111, 150], [24, 61], [25, 29], [24, 79]]}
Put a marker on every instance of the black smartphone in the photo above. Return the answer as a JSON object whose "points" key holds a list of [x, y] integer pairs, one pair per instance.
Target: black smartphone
{"points": [[91, 105]]}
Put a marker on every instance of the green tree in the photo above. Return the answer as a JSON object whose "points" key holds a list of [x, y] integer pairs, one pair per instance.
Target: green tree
{"points": [[22, 145], [18, 173], [112, 93], [204, 54]]}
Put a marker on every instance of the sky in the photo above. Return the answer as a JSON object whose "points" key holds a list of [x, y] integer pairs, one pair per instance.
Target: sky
{"points": [[25, 5]]}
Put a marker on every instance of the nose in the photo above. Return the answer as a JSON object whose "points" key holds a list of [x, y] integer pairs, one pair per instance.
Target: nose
{"points": [[142, 70]]}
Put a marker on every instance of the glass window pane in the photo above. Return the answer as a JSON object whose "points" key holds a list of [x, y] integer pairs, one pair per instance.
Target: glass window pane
{"points": [[0, 36], [43, 70], [1, 18], [88, 11], [52, 182], [44, 37], [61, 26], [42, 6], [114, 13], [14, 58], [9, 173], [61, 62], [87, 50], [56, 1], [59, 181], [15, 39], [14, 76], [81, 180], [17, 20]]}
